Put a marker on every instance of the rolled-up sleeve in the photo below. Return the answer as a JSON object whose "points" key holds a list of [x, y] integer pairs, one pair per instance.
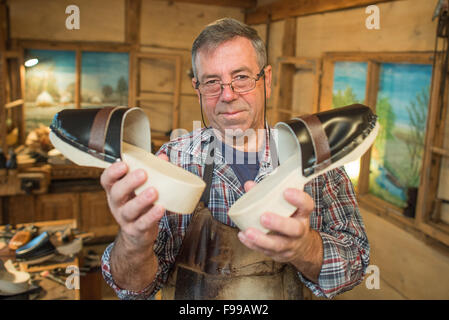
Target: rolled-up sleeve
{"points": [[145, 294], [165, 249], [345, 244]]}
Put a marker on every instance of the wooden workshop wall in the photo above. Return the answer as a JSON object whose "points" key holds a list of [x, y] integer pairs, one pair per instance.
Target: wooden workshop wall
{"points": [[405, 26], [274, 41], [409, 267], [170, 27], [165, 27], [443, 187], [100, 20]]}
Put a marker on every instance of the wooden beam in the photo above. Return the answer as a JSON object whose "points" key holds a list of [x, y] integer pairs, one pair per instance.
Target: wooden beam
{"points": [[286, 71], [430, 172], [283, 9], [3, 27], [22, 127], [156, 56], [246, 4], [2, 103], [132, 37], [432, 230], [420, 57], [177, 94], [132, 21], [15, 94], [74, 45], [440, 151], [289, 38], [326, 85], [132, 79], [385, 209], [77, 97], [136, 92], [371, 91]]}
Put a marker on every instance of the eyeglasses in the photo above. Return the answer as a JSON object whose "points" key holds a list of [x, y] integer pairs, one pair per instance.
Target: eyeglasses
{"points": [[240, 84]]}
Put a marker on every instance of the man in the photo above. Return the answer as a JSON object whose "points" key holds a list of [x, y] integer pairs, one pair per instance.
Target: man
{"points": [[324, 241]]}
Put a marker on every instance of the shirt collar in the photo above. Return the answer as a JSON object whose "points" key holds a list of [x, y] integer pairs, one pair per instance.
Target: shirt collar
{"points": [[202, 140]]}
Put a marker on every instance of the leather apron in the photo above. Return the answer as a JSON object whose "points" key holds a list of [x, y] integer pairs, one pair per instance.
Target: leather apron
{"points": [[214, 265]]}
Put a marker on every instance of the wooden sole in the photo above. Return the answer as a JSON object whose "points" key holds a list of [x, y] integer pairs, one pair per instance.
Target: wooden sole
{"points": [[179, 190], [268, 195], [13, 281]]}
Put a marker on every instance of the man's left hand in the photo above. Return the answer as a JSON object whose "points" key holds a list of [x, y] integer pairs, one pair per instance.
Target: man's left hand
{"points": [[292, 239]]}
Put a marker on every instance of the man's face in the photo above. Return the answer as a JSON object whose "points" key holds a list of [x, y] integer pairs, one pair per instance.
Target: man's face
{"points": [[225, 63]]}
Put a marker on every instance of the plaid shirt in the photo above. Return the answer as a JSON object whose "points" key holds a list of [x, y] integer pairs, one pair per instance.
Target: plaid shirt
{"points": [[336, 217]]}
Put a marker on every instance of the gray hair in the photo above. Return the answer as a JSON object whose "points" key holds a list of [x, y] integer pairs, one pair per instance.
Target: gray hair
{"points": [[223, 30]]}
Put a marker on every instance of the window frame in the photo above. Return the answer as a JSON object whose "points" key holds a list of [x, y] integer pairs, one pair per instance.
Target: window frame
{"points": [[79, 48], [421, 224]]}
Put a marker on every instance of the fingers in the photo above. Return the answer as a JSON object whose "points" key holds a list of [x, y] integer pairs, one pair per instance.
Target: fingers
{"points": [[116, 171], [139, 204], [150, 219], [293, 226], [300, 200], [142, 232], [288, 232], [137, 215], [271, 245], [112, 174], [284, 225], [123, 189]]}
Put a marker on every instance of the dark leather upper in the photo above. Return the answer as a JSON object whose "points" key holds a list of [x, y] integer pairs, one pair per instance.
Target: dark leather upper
{"points": [[74, 126], [38, 247], [345, 128]]}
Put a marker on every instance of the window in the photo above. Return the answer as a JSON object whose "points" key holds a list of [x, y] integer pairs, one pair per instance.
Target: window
{"points": [[397, 154], [59, 82], [50, 86], [403, 177], [398, 177], [104, 79], [349, 85]]}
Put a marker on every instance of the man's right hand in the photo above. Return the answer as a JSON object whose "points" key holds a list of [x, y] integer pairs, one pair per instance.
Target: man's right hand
{"points": [[137, 216], [133, 262]]}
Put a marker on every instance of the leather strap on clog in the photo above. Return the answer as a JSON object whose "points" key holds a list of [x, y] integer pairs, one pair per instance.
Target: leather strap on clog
{"points": [[319, 140], [99, 128]]}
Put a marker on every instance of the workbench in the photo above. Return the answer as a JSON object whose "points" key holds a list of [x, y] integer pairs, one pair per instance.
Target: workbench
{"points": [[51, 290]]}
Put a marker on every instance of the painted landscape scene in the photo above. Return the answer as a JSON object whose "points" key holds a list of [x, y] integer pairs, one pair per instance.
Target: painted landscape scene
{"points": [[50, 86], [349, 88], [402, 105], [104, 79]]}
